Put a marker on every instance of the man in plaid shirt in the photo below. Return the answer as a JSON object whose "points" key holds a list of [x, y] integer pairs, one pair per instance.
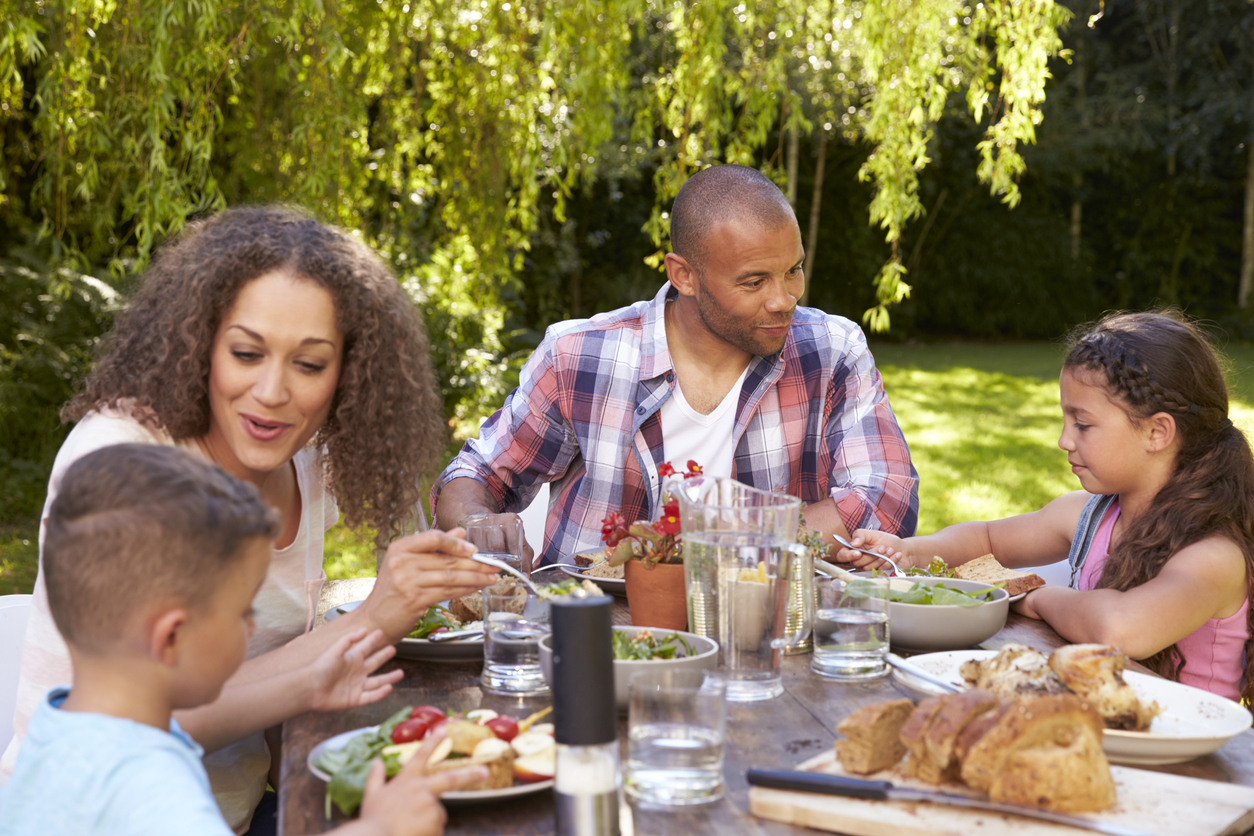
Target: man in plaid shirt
{"points": [[720, 366]]}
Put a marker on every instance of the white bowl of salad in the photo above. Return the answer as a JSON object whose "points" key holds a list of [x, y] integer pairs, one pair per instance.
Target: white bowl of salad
{"points": [[644, 649], [944, 613]]}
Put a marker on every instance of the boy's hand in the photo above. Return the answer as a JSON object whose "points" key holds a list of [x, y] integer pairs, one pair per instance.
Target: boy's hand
{"points": [[341, 675], [409, 804], [877, 541]]}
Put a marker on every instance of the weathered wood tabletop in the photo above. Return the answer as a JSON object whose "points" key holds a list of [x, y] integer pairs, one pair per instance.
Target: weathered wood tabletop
{"points": [[776, 734]]}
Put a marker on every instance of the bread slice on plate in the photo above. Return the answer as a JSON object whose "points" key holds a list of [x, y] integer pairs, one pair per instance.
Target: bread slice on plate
{"points": [[986, 569]]}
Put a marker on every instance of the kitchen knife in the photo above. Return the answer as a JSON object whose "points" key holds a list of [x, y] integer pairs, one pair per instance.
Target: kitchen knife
{"points": [[822, 782]]}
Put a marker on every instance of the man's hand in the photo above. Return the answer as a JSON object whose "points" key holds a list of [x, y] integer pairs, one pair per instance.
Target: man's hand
{"points": [[459, 499], [342, 676]]}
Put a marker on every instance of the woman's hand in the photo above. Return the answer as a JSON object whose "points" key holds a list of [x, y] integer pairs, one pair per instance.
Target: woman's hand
{"points": [[877, 541], [341, 676], [421, 570], [409, 804]]}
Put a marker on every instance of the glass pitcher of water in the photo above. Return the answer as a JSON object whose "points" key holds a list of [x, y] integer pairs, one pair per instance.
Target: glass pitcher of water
{"points": [[741, 564]]}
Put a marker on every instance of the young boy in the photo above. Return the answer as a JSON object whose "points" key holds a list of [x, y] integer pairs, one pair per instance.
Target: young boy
{"points": [[151, 560]]}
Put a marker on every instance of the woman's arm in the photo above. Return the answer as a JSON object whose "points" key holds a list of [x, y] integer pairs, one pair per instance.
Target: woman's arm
{"points": [[1205, 580], [1031, 539], [419, 570]]}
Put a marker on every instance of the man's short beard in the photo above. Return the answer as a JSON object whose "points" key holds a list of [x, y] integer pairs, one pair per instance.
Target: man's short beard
{"points": [[718, 323]]}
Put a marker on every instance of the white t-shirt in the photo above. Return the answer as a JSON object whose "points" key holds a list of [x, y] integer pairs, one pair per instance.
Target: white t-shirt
{"points": [[705, 439], [285, 607]]}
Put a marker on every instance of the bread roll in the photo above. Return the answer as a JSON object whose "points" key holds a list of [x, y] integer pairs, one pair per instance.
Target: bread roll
{"points": [[873, 737]]}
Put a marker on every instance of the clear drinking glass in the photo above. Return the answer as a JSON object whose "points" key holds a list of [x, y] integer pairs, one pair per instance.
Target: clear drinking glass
{"points": [[514, 621], [497, 535], [740, 562], [851, 629], [675, 729]]}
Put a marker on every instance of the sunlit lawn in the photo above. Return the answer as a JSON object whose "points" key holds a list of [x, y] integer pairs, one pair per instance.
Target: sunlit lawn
{"points": [[982, 422]]}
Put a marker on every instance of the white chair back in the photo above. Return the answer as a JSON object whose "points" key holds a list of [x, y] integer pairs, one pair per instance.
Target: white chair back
{"points": [[14, 610]]}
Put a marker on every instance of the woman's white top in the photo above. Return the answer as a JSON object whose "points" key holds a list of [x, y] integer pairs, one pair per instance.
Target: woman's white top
{"points": [[285, 607]]}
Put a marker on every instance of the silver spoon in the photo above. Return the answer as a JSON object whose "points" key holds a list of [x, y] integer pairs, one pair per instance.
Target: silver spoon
{"points": [[852, 547]]}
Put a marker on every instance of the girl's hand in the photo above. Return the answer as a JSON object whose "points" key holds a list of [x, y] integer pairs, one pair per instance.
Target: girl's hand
{"points": [[341, 676], [421, 570], [1024, 606], [877, 541], [409, 804]]}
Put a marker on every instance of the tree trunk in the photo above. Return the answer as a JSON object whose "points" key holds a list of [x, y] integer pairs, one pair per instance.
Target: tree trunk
{"points": [[793, 143], [816, 198], [1077, 179], [1247, 238]]}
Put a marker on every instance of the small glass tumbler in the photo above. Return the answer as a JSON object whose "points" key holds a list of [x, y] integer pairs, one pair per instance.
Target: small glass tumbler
{"points": [[851, 629], [498, 535], [514, 621], [675, 729]]}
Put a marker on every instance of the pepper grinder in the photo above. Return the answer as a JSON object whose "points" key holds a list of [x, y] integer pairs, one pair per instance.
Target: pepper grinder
{"points": [[585, 718]]}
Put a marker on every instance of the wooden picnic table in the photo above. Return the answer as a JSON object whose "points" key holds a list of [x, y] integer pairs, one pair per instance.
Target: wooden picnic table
{"points": [[777, 734]]}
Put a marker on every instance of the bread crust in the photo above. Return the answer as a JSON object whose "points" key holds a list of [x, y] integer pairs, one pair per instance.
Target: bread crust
{"points": [[873, 736], [987, 569]]}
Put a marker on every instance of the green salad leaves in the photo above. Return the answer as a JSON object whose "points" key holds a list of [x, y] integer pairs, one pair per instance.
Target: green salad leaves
{"points": [[348, 767], [937, 594], [433, 619], [645, 645]]}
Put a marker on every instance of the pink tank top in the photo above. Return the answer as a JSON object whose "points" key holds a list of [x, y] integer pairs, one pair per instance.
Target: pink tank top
{"points": [[1214, 654]]}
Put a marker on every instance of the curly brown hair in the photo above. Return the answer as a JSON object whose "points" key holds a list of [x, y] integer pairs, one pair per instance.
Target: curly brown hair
{"points": [[385, 426], [1158, 362]]}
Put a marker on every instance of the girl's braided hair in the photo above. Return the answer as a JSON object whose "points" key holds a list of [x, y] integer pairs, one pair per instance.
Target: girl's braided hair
{"points": [[385, 426], [1159, 362]]}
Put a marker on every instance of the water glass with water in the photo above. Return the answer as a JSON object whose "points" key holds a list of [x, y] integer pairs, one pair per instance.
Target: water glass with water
{"points": [[514, 621], [675, 728], [851, 629], [498, 535]]}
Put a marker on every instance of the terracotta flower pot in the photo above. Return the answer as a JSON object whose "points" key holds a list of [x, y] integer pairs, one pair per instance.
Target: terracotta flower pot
{"points": [[656, 595]]}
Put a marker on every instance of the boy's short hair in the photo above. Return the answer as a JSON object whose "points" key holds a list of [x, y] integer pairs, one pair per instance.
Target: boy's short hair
{"points": [[137, 524]]}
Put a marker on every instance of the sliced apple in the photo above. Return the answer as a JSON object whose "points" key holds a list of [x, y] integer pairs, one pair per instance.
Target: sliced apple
{"points": [[532, 743], [481, 715], [404, 751], [540, 766], [490, 749], [442, 750]]}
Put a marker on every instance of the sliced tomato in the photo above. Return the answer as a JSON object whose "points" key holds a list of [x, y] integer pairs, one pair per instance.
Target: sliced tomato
{"points": [[505, 728], [430, 712], [410, 730]]}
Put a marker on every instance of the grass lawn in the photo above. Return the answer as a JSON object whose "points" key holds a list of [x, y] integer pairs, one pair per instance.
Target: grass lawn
{"points": [[982, 421]]}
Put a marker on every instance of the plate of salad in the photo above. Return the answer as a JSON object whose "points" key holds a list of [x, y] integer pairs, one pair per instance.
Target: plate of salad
{"points": [[417, 646], [519, 754]]}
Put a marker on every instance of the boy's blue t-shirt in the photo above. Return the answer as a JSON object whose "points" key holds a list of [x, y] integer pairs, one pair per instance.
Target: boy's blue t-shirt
{"points": [[79, 773]]}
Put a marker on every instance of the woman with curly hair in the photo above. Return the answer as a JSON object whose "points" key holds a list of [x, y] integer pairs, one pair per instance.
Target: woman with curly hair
{"points": [[285, 352]]}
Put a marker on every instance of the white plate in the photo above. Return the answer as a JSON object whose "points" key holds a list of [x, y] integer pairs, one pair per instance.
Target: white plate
{"points": [[420, 649], [613, 586], [1193, 722], [341, 740]]}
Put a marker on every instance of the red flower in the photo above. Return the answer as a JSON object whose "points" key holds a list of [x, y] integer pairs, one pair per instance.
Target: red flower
{"points": [[668, 523], [613, 529], [694, 469], [665, 469]]}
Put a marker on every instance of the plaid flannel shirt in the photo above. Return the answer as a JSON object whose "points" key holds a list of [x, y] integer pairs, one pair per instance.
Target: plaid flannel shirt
{"points": [[812, 420]]}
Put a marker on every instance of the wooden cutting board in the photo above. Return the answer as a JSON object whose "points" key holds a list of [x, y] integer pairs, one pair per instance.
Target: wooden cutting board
{"points": [[1168, 805]]}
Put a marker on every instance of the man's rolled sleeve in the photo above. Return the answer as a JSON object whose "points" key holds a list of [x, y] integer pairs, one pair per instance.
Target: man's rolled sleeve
{"points": [[525, 444]]}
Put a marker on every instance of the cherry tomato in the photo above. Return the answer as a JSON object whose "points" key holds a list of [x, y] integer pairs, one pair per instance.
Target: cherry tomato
{"points": [[410, 730], [438, 630], [506, 728], [430, 712]]}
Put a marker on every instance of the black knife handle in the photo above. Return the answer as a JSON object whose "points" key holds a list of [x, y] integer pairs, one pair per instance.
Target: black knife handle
{"points": [[778, 779]]}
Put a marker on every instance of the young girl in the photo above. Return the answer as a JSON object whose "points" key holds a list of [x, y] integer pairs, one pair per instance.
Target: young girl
{"points": [[1161, 539]]}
